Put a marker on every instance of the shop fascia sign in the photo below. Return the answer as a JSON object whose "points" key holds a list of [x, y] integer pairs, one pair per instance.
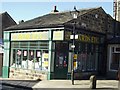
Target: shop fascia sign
{"points": [[58, 35], [29, 36], [87, 38], [82, 37]]}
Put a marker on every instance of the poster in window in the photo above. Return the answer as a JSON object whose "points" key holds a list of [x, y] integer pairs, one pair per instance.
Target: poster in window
{"points": [[38, 54], [45, 61], [60, 60], [19, 52], [25, 53], [31, 53]]}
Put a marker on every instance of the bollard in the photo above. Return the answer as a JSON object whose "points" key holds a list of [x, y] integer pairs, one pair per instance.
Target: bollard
{"points": [[93, 82]]}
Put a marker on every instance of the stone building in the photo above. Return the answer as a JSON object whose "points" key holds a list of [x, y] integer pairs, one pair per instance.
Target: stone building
{"points": [[41, 47], [5, 21], [118, 10], [113, 52]]}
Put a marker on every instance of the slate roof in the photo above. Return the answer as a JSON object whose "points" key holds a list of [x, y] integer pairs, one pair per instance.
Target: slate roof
{"points": [[49, 20], [5, 21]]}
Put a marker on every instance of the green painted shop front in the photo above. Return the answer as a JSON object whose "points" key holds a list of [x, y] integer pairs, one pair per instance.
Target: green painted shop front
{"points": [[48, 53]]}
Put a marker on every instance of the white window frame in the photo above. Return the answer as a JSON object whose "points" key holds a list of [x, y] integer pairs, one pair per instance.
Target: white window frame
{"points": [[110, 54]]}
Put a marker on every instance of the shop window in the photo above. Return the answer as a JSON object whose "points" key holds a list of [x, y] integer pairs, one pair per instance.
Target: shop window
{"points": [[13, 58], [43, 45], [24, 44], [15, 44], [87, 57], [16, 58], [33, 44], [115, 58], [31, 57], [24, 61], [115, 61], [117, 49]]}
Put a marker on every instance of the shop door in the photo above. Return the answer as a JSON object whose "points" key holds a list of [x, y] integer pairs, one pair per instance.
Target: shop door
{"points": [[61, 61]]}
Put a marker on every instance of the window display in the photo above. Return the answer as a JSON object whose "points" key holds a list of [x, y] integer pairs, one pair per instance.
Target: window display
{"points": [[29, 58], [115, 58], [87, 57], [45, 61]]}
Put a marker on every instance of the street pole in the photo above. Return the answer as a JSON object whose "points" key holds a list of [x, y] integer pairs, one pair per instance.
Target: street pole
{"points": [[73, 43], [75, 15]]}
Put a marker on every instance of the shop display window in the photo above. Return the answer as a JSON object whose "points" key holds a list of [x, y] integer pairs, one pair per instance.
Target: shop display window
{"points": [[115, 58], [27, 57], [87, 57]]}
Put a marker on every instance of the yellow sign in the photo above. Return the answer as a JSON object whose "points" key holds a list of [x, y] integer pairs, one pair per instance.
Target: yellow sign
{"points": [[29, 36], [58, 35], [45, 59], [87, 38], [83, 37], [75, 64], [75, 56]]}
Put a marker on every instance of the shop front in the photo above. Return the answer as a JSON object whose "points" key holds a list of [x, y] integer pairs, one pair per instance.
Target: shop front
{"points": [[48, 54], [88, 56], [28, 54], [41, 47], [113, 57]]}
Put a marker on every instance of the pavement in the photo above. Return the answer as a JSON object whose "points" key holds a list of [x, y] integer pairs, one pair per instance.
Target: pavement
{"points": [[58, 84]]}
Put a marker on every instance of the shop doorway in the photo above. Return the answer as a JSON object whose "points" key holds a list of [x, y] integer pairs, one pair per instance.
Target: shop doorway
{"points": [[61, 60]]}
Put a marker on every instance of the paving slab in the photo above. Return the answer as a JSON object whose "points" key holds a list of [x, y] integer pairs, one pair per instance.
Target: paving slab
{"points": [[78, 84], [65, 84]]}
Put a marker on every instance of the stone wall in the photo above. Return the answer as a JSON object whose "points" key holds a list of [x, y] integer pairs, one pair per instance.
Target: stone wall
{"points": [[118, 10], [97, 21], [27, 74]]}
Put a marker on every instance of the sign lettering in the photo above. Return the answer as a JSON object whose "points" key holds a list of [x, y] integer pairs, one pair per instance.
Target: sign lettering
{"points": [[29, 36], [83, 38]]}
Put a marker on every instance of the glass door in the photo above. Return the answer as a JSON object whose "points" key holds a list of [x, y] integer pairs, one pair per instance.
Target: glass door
{"points": [[61, 60]]}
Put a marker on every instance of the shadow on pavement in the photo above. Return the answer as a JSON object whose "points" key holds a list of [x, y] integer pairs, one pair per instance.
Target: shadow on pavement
{"points": [[26, 84]]}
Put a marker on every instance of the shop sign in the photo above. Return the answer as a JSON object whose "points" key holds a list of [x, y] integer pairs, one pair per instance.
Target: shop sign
{"points": [[83, 38], [88, 38], [58, 35], [29, 36], [75, 56], [67, 35]]}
